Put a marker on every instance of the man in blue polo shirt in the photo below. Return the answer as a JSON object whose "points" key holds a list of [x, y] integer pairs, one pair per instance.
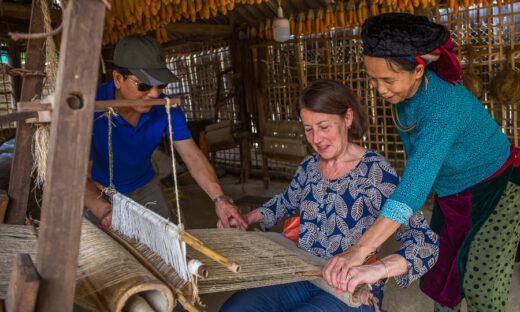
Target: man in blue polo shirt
{"points": [[140, 72]]}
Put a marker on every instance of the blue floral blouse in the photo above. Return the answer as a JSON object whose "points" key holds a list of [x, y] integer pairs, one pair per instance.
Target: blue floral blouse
{"points": [[335, 213]]}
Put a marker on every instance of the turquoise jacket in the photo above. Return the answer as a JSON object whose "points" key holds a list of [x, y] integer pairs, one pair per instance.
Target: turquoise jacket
{"points": [[455, 144]]}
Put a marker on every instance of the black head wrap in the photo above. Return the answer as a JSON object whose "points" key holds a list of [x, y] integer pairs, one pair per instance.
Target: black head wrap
{"points": [[401, 35]]}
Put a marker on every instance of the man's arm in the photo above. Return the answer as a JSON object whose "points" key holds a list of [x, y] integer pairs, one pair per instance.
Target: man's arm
{"points": [[101, 208], [202, 171]]}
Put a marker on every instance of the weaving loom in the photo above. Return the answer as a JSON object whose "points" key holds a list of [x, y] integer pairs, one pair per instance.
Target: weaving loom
{"points": [[109, 275]]}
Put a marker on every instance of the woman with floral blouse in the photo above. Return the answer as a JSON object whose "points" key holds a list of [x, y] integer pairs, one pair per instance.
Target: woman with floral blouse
{"points": [[338, 191]]}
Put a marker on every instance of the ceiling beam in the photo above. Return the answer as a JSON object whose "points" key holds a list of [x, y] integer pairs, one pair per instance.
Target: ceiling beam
{"points": [[23, 12], [200, 29]]}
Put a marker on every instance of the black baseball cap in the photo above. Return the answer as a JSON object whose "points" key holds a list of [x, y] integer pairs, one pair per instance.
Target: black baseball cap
{"points": [[144, 57]]}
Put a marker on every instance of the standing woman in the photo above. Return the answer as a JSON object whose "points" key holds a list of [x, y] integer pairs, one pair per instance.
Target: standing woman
{"points": [[455, 149]]}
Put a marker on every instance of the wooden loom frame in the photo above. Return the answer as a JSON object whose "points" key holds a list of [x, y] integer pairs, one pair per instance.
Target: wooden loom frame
{"points": [[58, 245]]}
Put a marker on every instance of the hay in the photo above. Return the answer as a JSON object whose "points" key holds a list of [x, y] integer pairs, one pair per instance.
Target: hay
{"points": [[39, 151]]}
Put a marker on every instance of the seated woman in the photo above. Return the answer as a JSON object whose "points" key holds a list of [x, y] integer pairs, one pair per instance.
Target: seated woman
{"points": [[339, 191]]}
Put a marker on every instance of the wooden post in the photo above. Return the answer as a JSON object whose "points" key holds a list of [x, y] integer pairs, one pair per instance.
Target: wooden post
{"points": [[4, 200], [240, 58], [13, 53], [23, 285], [20, 179], [260, 96], [69, 145]]}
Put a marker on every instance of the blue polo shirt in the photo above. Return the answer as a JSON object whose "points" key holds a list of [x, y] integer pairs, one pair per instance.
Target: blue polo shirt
{"points": [[132, 147]]}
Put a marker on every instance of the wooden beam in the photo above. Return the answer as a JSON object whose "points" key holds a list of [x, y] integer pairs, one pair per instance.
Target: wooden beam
{"points": [[20, 179], [23, 285], [67, 162], [15, 60], [23, 12], [200, 29], [4, 200]]}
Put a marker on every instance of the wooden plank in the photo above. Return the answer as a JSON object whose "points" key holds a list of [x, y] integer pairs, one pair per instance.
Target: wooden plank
{"points": [[16, 61], [4, 200], [71, 128], [23, 285], [16, 116], [20, 179], [200, 29]]}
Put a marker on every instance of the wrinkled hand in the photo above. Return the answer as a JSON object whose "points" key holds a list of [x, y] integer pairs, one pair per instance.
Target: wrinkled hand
{"points": [[336, 271], [230, 215], [103, 211], [364, 274]]}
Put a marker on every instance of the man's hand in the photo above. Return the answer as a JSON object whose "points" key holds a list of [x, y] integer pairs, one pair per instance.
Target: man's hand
{"points": [[229, 215], [103, 211]]}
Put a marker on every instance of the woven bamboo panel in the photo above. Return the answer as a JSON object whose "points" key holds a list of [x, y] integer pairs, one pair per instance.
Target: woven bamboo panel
{"points": [[262, 262], [198, 65], [490, 31]]}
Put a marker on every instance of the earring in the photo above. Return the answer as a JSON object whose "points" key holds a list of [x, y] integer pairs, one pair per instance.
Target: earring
{"points": [[425, 83]]}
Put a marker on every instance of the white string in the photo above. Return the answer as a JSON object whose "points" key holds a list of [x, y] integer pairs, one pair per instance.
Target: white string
{"points": [[149, 228]]}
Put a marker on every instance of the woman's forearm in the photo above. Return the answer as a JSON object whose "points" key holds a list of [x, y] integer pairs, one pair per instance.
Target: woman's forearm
{"points": [[391, 265], [376, 235]]}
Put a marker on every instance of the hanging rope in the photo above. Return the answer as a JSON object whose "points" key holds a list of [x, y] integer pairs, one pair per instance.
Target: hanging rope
{"points": [[111, 187], [50, 47], [174, 170]]}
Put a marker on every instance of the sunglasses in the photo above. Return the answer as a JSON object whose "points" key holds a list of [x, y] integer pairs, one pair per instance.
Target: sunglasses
{"points": [[143, 87]]}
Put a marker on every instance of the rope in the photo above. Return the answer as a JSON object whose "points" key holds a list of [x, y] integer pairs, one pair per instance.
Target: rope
{"points": [[14, 71], [111, 187], [50, 47], [174, 169]]}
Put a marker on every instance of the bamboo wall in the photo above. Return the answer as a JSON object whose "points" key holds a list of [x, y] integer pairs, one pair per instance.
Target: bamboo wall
{"points": [[199, 66], [337, 55], [6, 99]]}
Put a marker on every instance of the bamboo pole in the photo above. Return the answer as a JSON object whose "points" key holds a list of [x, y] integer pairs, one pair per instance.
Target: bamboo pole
{"points": [[100, 105], [199, 246]]}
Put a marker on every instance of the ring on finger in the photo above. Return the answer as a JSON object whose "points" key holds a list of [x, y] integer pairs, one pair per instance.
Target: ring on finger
{"points": [[349, 277]]}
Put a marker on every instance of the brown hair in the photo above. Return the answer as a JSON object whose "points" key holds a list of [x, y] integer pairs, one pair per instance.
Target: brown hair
{"points": [[332, 97]]}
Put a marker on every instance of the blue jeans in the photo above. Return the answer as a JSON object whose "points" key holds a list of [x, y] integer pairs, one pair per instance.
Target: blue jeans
{"points": [[300, 296]]}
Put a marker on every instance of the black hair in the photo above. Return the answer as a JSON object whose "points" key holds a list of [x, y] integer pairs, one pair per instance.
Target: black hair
{"points": [[125, 72]]}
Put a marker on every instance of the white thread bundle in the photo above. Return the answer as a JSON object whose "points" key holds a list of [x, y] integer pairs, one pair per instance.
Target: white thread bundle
{"points": [[147, 227]]}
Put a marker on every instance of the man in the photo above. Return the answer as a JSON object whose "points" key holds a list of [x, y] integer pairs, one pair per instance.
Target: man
{"points": [[140, 72]]}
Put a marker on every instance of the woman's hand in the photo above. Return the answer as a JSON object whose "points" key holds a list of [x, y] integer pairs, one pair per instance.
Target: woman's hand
{"points": [[254, 216], [364, 274], [337, 269], [230, 215]]}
